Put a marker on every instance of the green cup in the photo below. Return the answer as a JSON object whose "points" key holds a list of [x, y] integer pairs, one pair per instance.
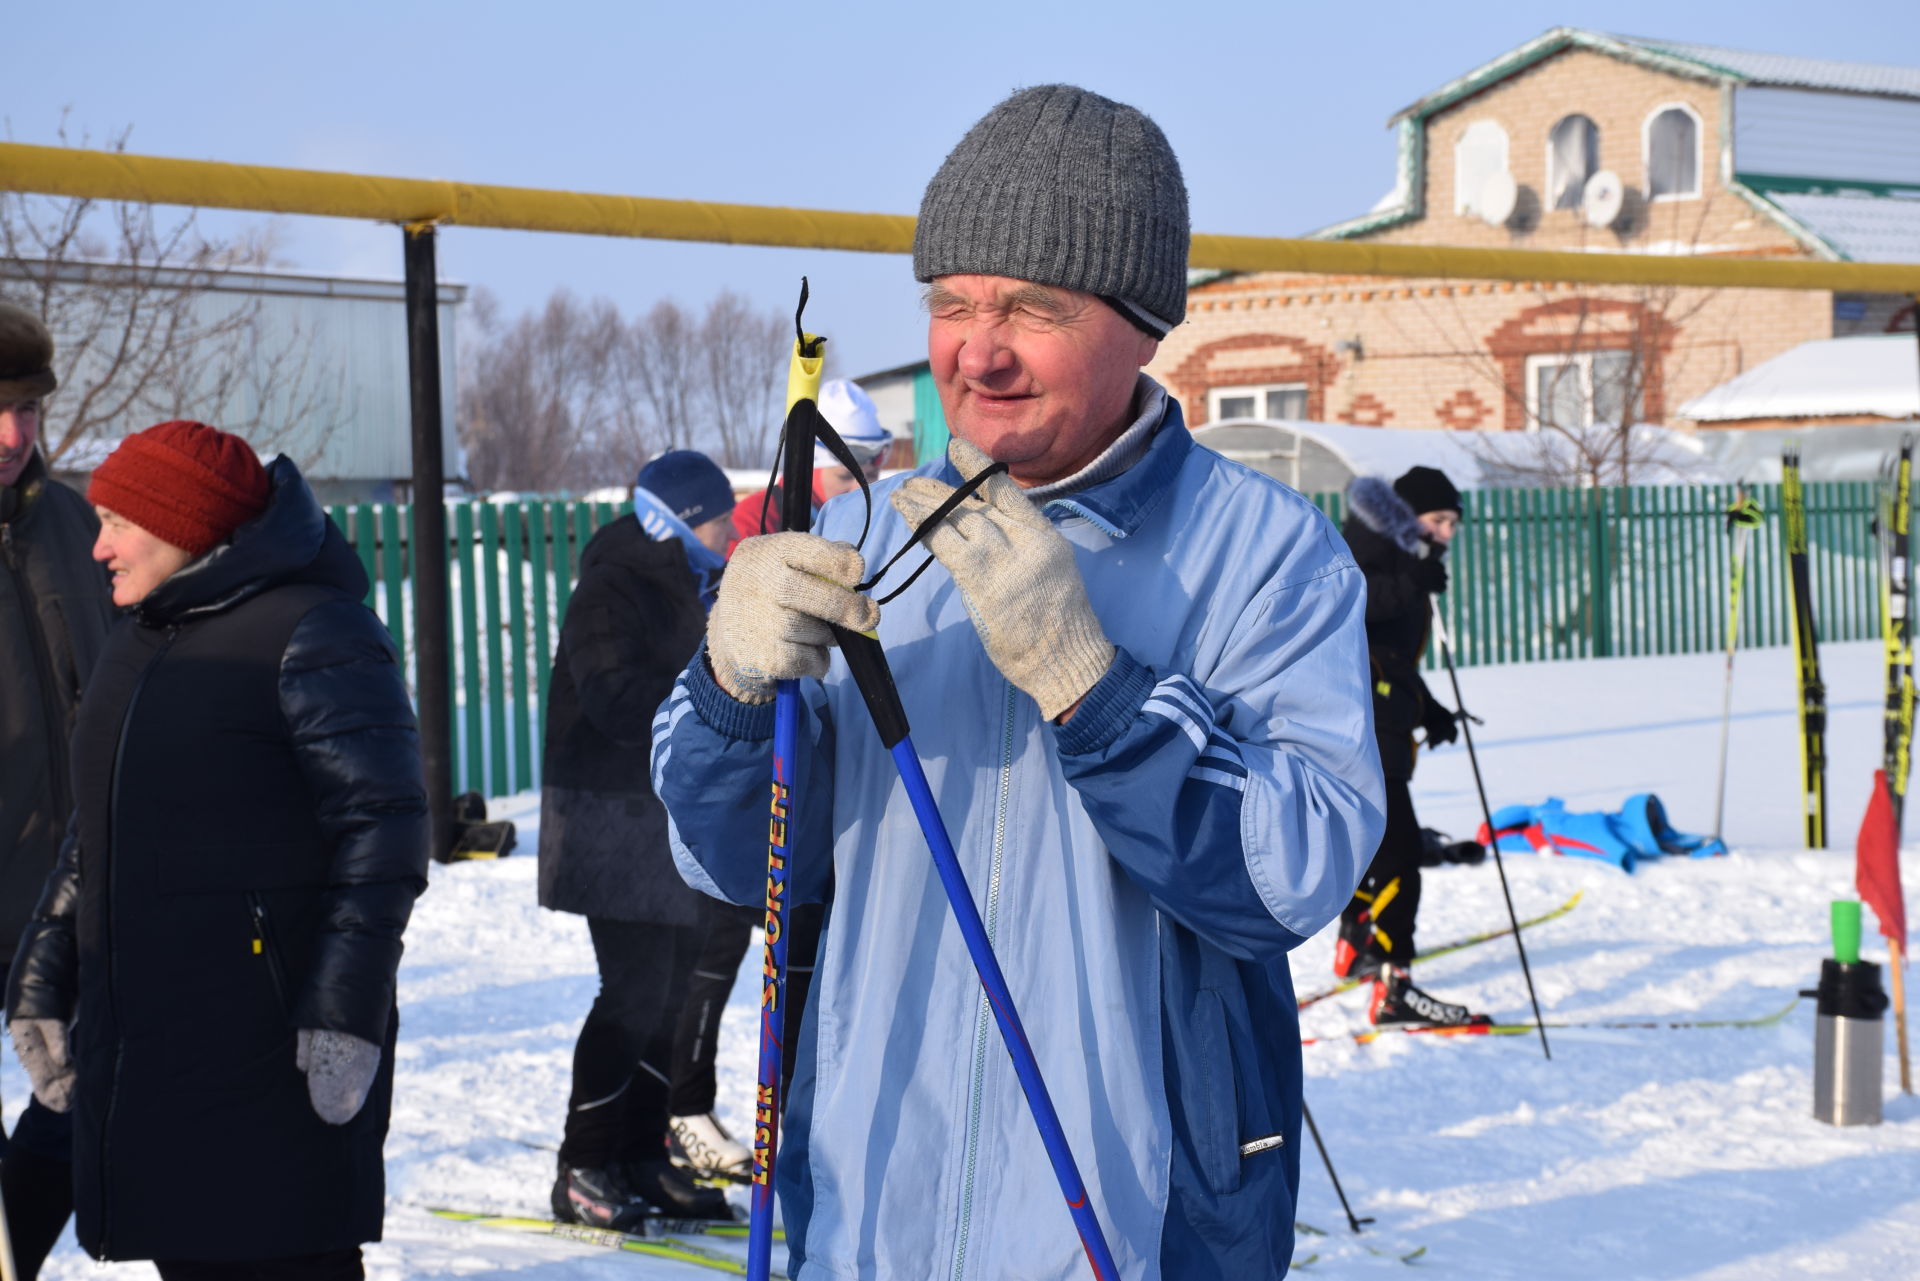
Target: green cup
{"points": [[1846, 931]]}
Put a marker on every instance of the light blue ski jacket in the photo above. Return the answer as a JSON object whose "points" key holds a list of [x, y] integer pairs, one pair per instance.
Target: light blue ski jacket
{"points": [[1142, 871]]}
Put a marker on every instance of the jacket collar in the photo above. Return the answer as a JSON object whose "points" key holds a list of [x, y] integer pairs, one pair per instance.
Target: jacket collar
{"points": [[17, 499], [1381, 509], [291, 541], [1119, 505]]}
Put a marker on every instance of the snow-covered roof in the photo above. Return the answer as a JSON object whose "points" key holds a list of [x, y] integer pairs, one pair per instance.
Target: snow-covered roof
{"points": [[1876, 374], [1789, 70], [1861, 227], [1317, 457]]}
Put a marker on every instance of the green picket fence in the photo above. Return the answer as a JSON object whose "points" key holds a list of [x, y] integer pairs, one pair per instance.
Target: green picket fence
{"points": [[1536, 575], [1543, 574]]}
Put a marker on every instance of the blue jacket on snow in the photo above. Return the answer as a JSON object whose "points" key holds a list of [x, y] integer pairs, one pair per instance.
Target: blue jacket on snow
{"points": [[1142, 870]]}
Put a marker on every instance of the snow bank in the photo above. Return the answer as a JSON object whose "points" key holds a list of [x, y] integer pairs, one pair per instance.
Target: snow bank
{"points": [[1634, 1154]]}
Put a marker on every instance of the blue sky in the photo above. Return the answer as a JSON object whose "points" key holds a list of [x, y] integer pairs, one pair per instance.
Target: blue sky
{"points": [[1277, 111]]}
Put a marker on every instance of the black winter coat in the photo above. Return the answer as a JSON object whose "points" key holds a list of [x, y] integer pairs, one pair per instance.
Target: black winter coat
{"points": [[55, 608], [631, 626], [1383, 533], [249, 837]]}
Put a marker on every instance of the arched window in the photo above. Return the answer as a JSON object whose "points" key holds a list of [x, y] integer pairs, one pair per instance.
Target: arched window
{"points": [[1673, 154], [1480, 154], [1573, 153]]}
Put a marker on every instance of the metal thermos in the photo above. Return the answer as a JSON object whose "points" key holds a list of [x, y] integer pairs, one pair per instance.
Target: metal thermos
{"points": [[1848, 1043]]}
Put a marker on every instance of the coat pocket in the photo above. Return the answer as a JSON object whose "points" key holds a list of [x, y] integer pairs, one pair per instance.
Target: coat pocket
{"points": [[266, 949], [1215, 1106]]}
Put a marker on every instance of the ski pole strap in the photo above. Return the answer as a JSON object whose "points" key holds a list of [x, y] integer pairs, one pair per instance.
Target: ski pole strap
{"points": [[940, 513], [1745, 513]]}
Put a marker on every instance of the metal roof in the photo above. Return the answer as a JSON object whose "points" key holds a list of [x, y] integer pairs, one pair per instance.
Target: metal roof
{"points": [[1787, 70], [1860, 226]]}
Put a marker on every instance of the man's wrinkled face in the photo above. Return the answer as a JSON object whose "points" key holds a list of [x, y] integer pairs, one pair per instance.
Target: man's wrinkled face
{"points": [[19, 428], [1036, 377], [137, 560]]}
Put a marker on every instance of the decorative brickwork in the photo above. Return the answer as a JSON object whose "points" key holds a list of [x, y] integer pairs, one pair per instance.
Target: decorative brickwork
{"points": [[1463, 411], [1367, 410], [1568, 326], [1294, 360]]}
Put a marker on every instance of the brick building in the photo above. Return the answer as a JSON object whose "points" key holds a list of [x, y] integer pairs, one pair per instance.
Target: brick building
{"points": [[1579, 141]]}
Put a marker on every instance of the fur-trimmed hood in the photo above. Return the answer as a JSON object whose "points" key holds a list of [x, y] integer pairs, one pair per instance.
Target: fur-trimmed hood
{"points": [[1383, 511]]}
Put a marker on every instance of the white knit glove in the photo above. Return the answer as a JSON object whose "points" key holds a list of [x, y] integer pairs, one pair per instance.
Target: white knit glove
{"points": [[41, 1045], [1017, 576], [340, 1068], [770, 622]]}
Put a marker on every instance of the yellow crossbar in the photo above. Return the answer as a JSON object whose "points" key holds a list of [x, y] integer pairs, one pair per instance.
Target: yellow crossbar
{"points": [[103, 175]]}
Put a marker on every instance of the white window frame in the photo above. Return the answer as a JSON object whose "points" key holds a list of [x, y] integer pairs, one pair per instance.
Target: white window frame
{"points": [[1699, 153], [1463, 200], [1256, 390], [1592, 160], [1583, 360]]}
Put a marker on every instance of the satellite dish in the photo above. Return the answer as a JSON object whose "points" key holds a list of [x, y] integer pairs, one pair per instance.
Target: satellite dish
{"points": [[1496, 198], [1602, 199]]}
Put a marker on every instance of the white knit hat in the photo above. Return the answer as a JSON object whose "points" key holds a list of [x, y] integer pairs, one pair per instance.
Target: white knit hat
{"points": [[850, 410]]}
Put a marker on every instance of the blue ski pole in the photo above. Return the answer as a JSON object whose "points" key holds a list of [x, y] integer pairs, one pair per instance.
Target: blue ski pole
{"points": [[796, 512], [868, 664]]}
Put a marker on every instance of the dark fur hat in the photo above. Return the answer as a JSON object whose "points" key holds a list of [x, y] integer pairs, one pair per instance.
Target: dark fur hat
{"points": [[26, 355]]}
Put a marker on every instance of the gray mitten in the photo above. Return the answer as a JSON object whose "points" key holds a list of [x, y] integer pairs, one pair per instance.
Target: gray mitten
{"points": [[41, 1045], [340, 1068]]}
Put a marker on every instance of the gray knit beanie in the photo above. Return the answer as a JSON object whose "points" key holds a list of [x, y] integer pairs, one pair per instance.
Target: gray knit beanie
{"points": [[1063, 187]]}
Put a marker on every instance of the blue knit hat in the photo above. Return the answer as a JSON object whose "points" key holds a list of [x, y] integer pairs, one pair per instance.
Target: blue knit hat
{"points": [[690, 483]]}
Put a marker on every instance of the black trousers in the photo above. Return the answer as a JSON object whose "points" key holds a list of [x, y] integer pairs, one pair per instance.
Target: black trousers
{"points": [[1389, 894], [694, 1043], [335, 1265], [623, 1059]]}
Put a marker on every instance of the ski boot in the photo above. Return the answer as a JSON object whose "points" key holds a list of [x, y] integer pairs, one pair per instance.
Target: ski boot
{"points": [[670, 1190], [597, 1198], [1353, 954], [702, 1144], [1398, 1003]]}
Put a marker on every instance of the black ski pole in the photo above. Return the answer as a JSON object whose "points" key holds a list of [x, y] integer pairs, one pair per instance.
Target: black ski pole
{"points": [[1493, 836], [1326, 1160]]}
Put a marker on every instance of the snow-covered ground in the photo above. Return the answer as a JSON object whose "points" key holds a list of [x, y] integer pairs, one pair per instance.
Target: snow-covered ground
{"points": [[1633, 1154]]}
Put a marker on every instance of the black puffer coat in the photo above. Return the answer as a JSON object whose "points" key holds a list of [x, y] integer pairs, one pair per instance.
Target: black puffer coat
{"points": [[249, 837], [631, 626], [1384, 535], [55, 608]]}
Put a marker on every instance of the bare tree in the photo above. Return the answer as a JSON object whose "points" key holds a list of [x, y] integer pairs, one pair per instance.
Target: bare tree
{"points": [[663, 363], [518, 414], [142, 332], [576, 397], [746, 369]]}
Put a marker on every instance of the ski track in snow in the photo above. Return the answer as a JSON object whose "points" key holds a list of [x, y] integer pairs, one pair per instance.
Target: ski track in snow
{"points": [[1633, 1154]]}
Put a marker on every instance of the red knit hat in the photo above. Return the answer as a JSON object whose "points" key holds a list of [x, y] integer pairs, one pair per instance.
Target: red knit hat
{"points": [[184, 482]]}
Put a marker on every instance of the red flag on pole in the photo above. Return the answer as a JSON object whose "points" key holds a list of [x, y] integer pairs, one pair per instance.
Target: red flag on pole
{"points": [[1876, 869]]}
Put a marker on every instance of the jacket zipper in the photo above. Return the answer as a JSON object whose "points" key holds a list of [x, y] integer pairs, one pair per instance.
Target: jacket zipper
{"points": [[43, 661], [263, 945], [983, 1017], [113, 999]]}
